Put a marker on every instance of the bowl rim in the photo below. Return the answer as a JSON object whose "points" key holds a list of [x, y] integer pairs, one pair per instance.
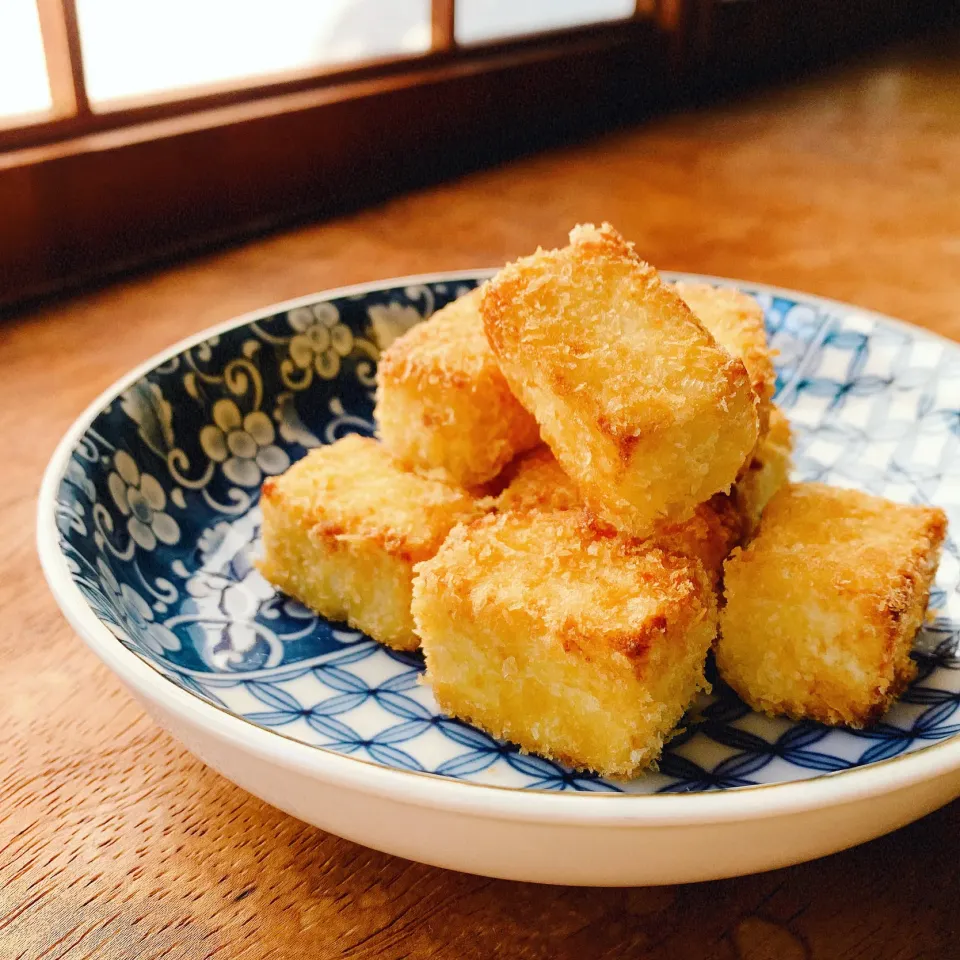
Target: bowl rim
{"points": [[433, 790]]}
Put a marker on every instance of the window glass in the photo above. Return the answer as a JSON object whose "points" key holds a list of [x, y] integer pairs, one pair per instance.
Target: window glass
{"points": [[479, 20], [24, 87], [141, 47]]}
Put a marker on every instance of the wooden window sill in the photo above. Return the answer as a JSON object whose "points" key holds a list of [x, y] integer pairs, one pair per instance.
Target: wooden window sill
{"points": [[108, 199]]}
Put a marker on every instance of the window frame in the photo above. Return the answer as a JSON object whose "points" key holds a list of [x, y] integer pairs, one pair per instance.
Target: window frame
{"points": [[89, 194], [96, 194], [72, 114]]}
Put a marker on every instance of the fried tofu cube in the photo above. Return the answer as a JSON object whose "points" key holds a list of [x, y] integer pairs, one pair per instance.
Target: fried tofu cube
{"points": [[767, 472], [736, 322], [585, 649], [823, 605], [443, 406], [537, 482], [715, 528], [343, 528], [637, 401]]}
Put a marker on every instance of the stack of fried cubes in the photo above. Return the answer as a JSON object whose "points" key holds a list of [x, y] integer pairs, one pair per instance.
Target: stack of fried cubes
{"points": [[580, 488]]}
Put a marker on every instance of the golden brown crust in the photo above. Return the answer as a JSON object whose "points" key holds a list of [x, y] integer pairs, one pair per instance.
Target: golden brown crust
{"points": [[537, 481], [443, 406], [715, 528], [823, 604], [641, 406], [736, 322], [424, 353], [343, 527], [353, 490], [581, 646], [767, 472], [561, 560]]}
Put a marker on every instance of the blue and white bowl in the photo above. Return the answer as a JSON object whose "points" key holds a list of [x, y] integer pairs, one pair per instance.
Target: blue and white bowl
{"points": [[148, 523]]}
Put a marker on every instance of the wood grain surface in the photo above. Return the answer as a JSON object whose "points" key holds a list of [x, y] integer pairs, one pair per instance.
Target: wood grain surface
{"points": [[116, 843]]}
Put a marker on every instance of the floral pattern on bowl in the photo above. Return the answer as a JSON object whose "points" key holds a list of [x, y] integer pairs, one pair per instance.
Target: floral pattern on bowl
{"points": [[158, 521]]}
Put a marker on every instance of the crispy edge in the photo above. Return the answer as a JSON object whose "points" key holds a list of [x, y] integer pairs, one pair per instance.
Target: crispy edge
{"points": [[771, 461], [604, 242], [677, 611], [536, 481], [893, 609], [753, 349], [366, 525], [402, 361], [503, 290], [415, 376], [687, 604]]}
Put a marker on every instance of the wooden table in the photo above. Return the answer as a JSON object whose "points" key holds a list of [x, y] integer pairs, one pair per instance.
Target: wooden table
{"points": [[116, 843]]}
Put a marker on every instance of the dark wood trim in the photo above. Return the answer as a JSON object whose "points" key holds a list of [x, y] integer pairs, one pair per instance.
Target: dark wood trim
{"points": [[61, 50], [669, 13], [128, 111], [138, 185], [110, 201], [443, 26], [731, 43]]}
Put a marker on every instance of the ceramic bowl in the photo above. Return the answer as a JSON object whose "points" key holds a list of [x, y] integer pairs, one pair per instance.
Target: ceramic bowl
{"points": [[148, 521]]}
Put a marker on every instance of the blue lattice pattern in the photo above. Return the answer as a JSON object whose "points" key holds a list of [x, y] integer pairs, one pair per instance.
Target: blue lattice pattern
{"points": [[159, 521]]}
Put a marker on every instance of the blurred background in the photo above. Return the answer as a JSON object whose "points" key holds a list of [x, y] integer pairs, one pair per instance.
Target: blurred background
{"points": [[168, 164], [136, 130]]}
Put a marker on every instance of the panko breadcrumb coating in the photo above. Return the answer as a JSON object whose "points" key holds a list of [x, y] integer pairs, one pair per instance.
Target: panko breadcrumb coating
{"points": [[443, 406], [583, 648], [343, 528], [767, 472], [736, 322], [537, 482], [638, 402], [823, 605]]}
